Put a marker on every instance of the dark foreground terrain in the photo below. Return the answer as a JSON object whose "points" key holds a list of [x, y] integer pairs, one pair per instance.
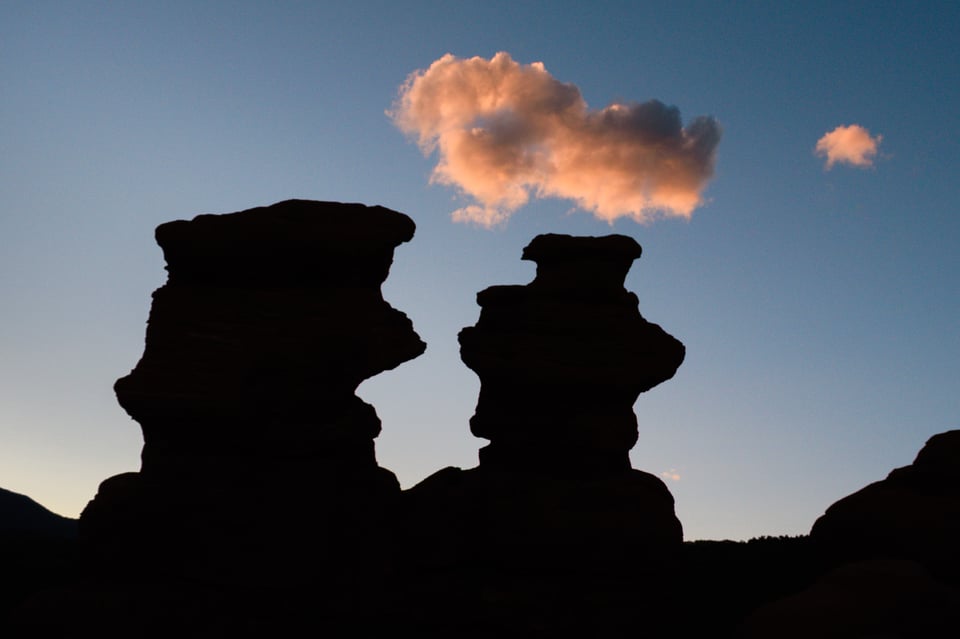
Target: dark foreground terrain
{"points": [[717, 585]]}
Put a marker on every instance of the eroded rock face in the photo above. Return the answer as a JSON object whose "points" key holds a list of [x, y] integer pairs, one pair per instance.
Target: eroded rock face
{"points": [[257, 453], [913, 514], [554, 530], [563, 359], [260, 500]]}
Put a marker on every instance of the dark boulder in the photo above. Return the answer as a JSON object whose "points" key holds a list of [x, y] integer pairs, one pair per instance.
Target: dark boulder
{"points": [[913, 514], [894, 552]]}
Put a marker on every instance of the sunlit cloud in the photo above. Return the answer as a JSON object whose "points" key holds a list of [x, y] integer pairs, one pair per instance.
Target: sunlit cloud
{"points": [[505, 132], [671, 474], [851, 145]]}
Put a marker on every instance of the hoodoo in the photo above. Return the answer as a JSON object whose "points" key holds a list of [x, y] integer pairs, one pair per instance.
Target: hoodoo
{"points": [[563, 359], [554, 529], [258, 462]]}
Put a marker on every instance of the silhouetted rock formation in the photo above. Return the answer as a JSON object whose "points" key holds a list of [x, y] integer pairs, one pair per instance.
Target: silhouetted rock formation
{"points": [[260, 509], [913, 514], [563, 359], [877, 598], [895, 551], [258, 464], [553, 532], [21, 516]]}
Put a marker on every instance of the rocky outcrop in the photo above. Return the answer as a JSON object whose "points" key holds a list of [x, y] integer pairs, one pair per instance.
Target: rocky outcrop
{"points": [[894, 558], [913, 514], [258, 463], [554, 531], [563, 359]]}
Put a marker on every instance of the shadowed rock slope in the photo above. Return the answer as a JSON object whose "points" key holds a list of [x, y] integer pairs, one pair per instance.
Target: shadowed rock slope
{"points": [[913, 514], [894, 552]]}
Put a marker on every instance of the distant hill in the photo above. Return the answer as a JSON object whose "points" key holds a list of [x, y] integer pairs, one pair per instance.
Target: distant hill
{"points": [[21, 516]]}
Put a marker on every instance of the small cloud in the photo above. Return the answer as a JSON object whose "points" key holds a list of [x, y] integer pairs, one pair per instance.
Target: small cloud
{"points": [[505, 132], [851, 145], [671, 474]]}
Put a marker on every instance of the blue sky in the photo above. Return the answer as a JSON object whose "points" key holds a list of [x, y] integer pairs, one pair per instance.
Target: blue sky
{"points": [[819, 308]]}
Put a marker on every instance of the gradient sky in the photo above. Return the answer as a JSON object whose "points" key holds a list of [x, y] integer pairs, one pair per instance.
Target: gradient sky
{"points": [[819, 307]]}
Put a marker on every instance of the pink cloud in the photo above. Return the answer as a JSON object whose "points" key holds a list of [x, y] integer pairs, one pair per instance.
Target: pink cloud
{"points": [[849, 145], [505, 132], [671, 474]]}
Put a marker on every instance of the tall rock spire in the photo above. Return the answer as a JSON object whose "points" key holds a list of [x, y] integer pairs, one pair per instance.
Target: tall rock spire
{"points": [[258, 461], [562, 360], [553, 530]]}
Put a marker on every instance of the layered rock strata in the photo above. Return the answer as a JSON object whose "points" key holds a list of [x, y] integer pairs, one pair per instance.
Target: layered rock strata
{"points": [[563, 359], [554, 530], [258, 462]]}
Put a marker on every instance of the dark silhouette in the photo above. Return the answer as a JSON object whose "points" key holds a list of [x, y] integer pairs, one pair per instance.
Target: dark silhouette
{"points": [[913, 514], [875, 598], [37, 550], [563, 359], [21, 516], [258, 466], [260, 509], [553, 531], [723, 581], [894, 552]]}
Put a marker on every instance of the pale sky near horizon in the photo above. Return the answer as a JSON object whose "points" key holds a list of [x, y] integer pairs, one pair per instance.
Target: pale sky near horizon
{"points": [[819, 306]]}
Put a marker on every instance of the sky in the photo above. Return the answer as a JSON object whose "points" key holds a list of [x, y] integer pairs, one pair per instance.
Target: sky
{"points": [[798, 213]]}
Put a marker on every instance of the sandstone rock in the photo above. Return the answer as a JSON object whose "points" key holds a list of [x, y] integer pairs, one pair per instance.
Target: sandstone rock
{"points": [[258, 463], [913, 514], [563, 359], [554, 534]]}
